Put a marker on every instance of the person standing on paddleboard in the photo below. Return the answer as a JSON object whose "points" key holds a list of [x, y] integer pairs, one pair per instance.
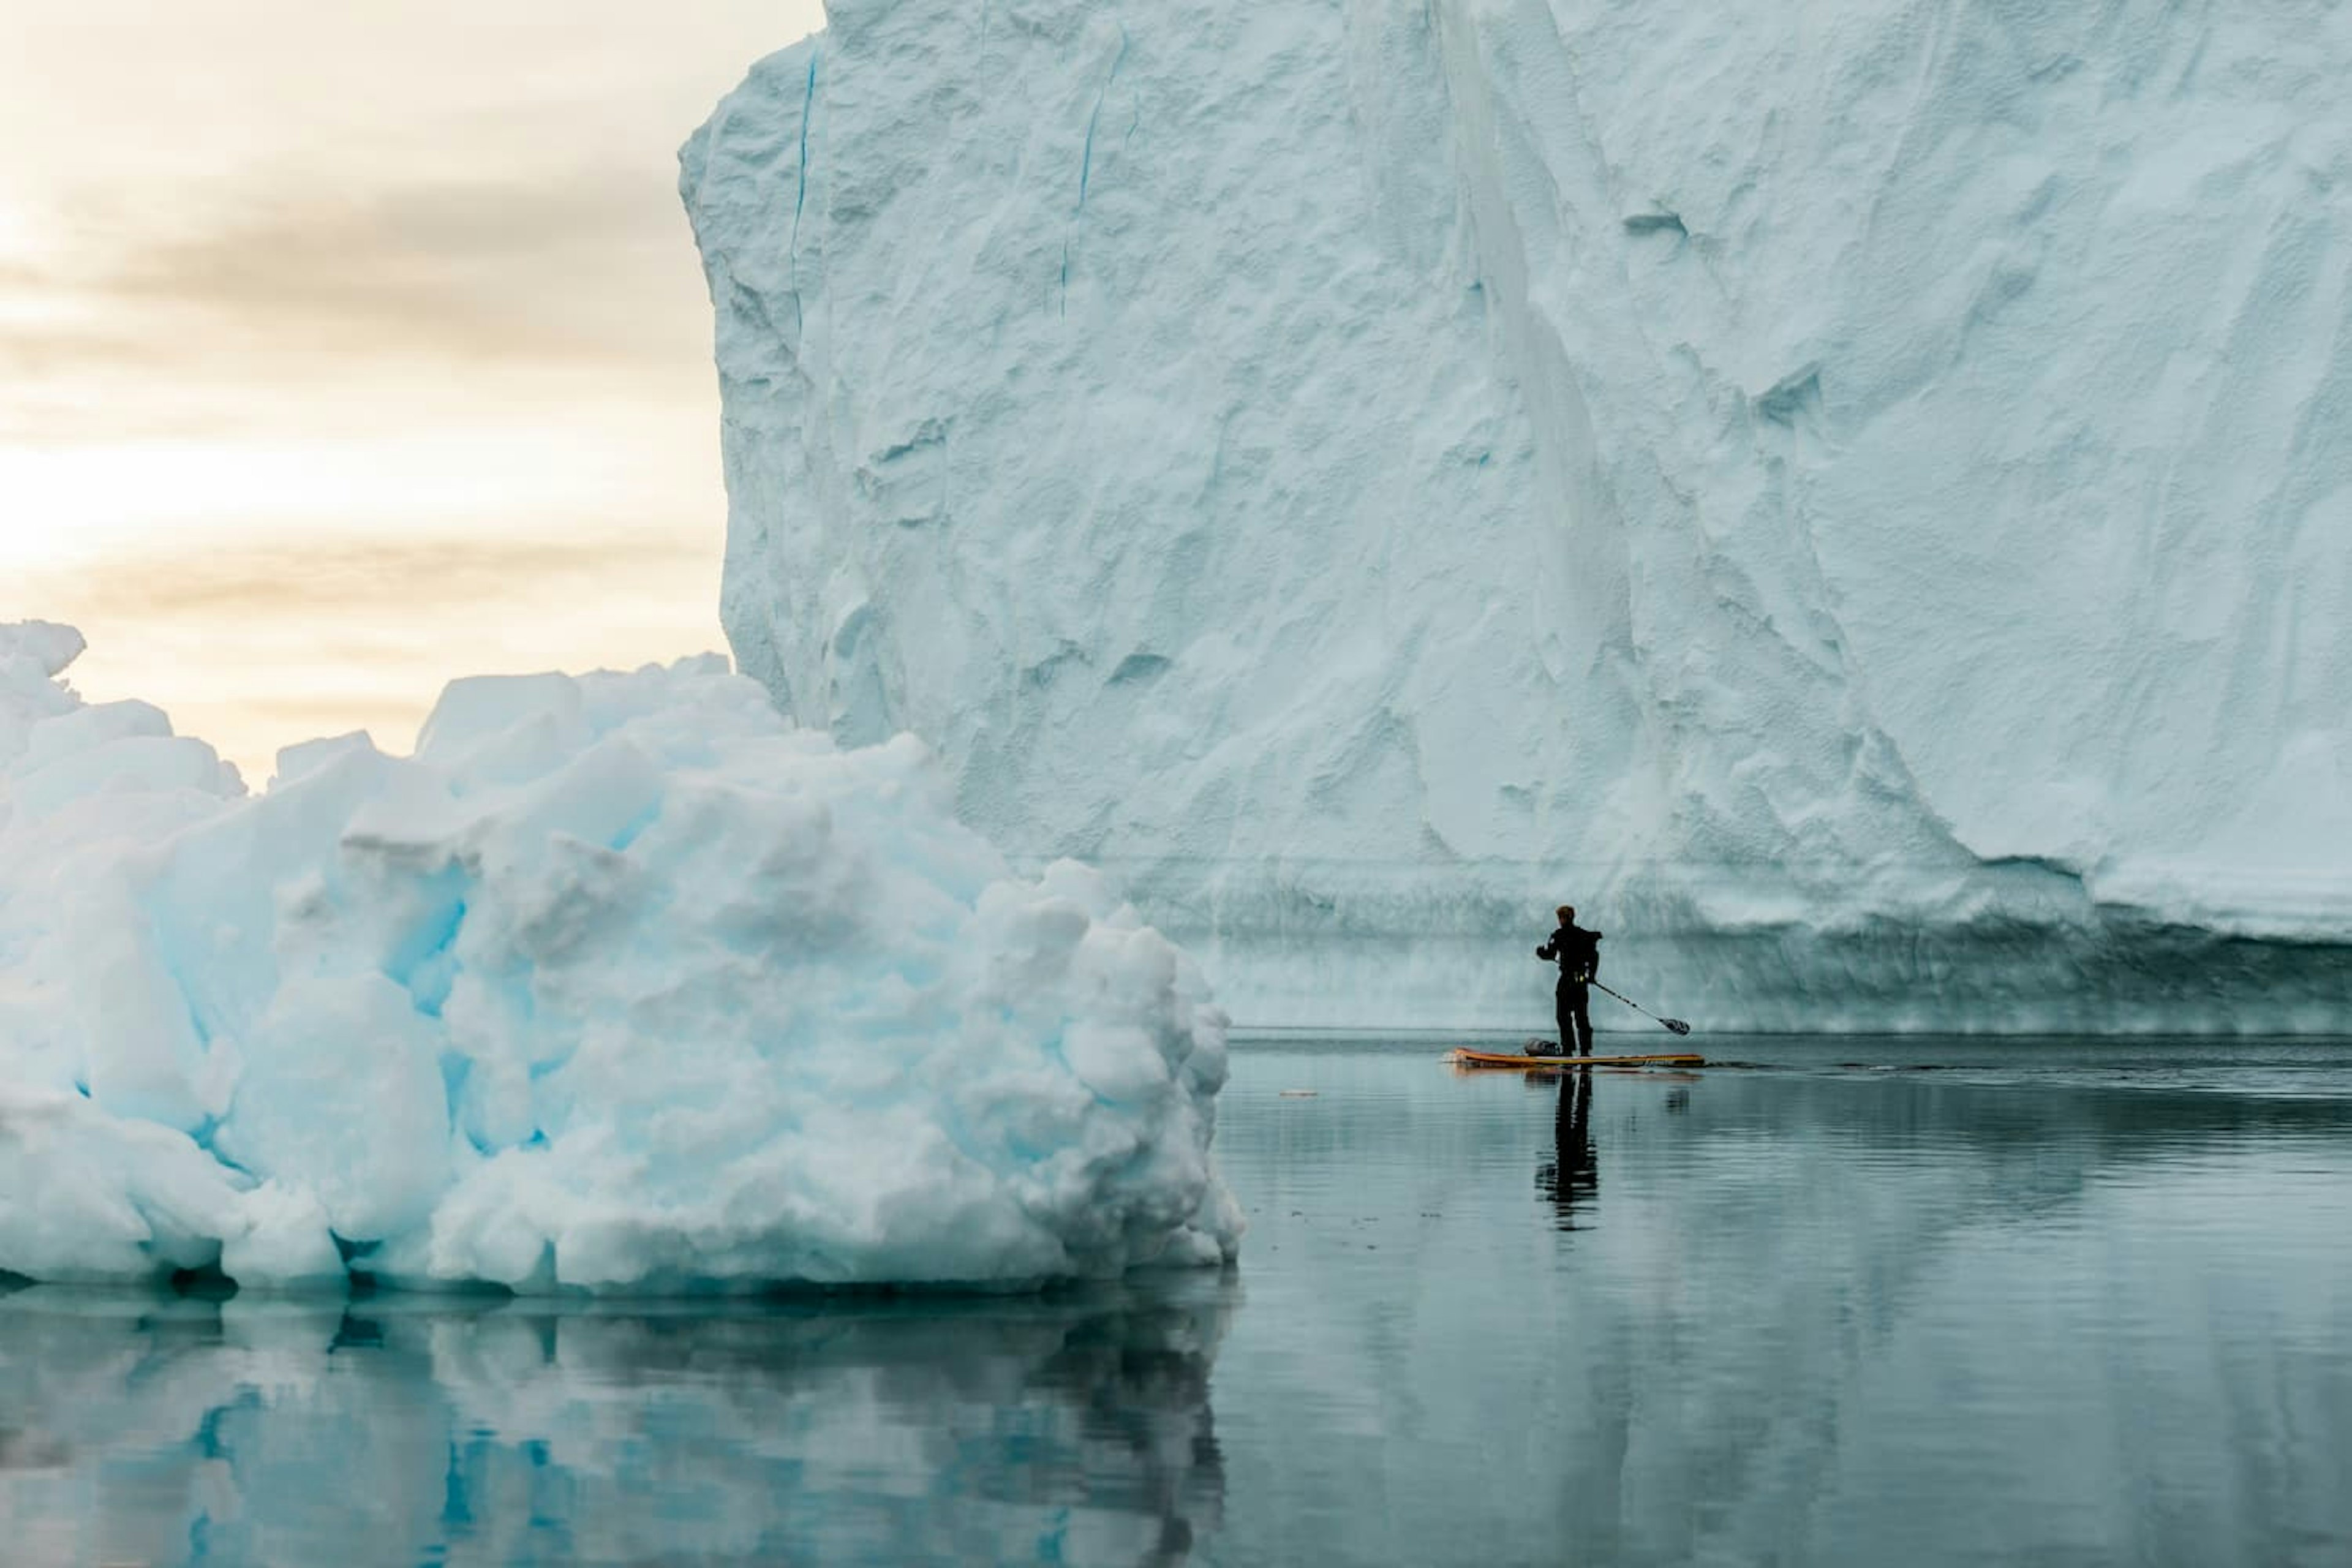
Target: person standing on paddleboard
{"points": [[1578, 953]]}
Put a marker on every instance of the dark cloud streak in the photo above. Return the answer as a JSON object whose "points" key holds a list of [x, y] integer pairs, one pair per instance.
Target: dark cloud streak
{"points": [[562, 269], [440, 575]]}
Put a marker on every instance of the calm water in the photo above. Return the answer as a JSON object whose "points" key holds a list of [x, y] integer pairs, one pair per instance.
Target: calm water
{"points": [[2044, 1303]]}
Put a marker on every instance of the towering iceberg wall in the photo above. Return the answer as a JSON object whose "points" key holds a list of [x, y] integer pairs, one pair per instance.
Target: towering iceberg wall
{"points": [[1857, 498]]}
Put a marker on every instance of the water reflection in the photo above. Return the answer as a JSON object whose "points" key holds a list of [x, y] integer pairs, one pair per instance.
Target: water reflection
{"points": [[2075, 1307], [1075, 1429], [2020, 1309], [1572, 1175]]}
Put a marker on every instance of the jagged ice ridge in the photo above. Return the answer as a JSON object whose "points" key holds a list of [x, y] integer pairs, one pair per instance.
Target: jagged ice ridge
{"points": [[619, 984]]}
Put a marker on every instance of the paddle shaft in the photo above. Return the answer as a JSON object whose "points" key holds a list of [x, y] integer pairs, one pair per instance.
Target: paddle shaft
{"points": [[1677, 1025]]}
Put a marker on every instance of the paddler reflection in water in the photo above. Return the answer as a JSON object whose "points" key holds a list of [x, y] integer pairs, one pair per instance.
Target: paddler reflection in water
{"points": [[1572, 1175], [1577, 953]]}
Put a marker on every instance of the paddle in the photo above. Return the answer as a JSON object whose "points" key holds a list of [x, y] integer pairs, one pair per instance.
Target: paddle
{"points": [[1677, 1025]]}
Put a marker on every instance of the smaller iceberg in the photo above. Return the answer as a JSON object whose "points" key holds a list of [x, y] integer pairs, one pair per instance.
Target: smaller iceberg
{"points": [[620, 983]]}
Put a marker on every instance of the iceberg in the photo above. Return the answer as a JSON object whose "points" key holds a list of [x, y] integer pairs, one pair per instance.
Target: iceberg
{"points": [[619, 984], [1858, 500]]}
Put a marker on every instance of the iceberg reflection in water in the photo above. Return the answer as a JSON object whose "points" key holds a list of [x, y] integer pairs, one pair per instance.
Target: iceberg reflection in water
{"points": [[412, 1429]]}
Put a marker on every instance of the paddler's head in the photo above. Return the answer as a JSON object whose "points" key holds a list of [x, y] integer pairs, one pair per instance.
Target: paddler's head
{"points": [[1567, 913]]}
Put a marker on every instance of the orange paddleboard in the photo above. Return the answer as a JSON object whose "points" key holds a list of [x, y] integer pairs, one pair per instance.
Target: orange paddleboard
{"points": [[1465, 1057]]}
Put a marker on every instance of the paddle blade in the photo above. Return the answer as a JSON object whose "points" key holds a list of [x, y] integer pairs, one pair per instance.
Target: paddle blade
{"points": [[1677, 1025]]}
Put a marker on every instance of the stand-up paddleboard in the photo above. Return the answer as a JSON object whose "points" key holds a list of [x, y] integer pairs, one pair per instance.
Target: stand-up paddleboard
{"points": [[1465, 1057]]}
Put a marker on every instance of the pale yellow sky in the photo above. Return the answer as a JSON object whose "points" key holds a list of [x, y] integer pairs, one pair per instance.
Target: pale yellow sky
{"points": [[346, 350]]}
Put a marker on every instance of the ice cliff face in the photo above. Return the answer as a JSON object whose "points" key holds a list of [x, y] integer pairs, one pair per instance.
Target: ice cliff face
{"points": [[1856, 498]]}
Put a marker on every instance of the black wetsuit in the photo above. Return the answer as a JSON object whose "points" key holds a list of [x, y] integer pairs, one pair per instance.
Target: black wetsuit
{"points": [[1578, 952]]}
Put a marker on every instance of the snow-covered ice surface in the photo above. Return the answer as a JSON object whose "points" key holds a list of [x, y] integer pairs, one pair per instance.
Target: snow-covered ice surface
{"points": [[620, 983], [1856, 497]]}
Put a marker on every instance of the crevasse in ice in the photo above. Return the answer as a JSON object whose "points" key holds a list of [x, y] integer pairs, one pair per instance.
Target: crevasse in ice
{"points": [[620, 983], [1856, 497]]}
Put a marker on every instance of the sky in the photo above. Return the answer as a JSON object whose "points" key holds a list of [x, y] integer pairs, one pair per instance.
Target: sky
{"points": [[346, 350]]}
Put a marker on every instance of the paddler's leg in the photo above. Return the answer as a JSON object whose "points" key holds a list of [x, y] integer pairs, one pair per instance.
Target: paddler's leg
{"points": [[1576, 1002], [1563, 1008]]}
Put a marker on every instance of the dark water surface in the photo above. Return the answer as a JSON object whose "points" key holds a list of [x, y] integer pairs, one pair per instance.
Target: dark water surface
{"points": [[1862, 1303]]}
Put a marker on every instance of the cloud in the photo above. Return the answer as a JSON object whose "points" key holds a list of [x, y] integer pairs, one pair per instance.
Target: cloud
{"points": [[332, 580], [241, 197], [566, 269], [332, 338]]}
